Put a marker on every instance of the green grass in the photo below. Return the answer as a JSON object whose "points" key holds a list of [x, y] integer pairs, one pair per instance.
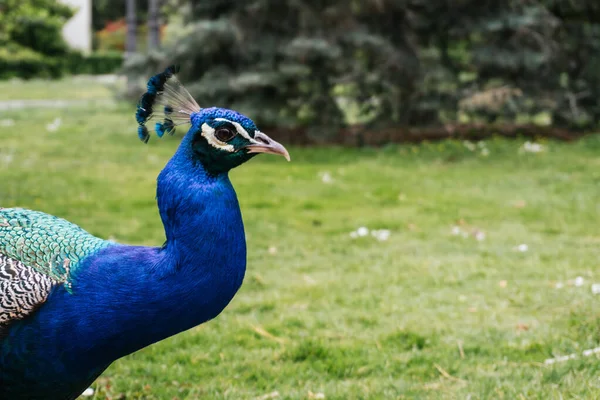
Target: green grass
{"points": [[425, 314], [69, 88]]}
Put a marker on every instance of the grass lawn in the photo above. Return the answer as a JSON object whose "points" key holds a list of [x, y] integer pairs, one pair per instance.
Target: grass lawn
{"points": [[70, 88], [446, 308]]}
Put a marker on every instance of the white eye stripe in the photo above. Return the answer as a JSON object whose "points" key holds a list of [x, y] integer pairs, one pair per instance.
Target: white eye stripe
{"points": [[240, 129], [209, 134]]}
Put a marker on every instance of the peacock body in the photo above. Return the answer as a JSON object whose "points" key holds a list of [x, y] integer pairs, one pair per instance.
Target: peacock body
{"points": [[71, 303]]}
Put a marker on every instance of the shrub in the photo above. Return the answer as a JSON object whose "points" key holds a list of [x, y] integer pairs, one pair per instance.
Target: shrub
{"points": [[24, 63], [112, 37], [94, 64], [21, 62]]}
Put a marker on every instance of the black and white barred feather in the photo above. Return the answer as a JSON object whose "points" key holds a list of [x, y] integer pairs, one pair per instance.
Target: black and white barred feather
{"points": [[22, 289]]}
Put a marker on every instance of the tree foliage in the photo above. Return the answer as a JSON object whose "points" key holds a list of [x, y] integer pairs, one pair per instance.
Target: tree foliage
{"points": [[34, 25], [307, 62]]}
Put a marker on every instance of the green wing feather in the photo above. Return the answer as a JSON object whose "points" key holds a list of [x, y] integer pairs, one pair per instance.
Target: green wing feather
{"points": [[50, 245]]}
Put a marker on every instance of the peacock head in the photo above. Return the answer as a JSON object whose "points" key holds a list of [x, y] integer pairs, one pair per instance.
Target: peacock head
{"points": [[219, 138], [223, 139]]}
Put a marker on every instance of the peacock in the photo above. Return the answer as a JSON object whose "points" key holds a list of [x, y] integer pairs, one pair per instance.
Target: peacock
{"points": [[72, 303]]}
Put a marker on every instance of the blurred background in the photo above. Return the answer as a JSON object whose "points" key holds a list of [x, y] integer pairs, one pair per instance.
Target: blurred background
{"points": [[325, 65], [436, 234]]}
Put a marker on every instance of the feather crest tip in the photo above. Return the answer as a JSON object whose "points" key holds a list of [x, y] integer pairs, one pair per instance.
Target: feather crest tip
{"points": [[168, 96]]}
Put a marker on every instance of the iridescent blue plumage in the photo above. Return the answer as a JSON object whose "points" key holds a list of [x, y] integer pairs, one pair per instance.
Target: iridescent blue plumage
{"points": [[121, 298], [166, 126]]}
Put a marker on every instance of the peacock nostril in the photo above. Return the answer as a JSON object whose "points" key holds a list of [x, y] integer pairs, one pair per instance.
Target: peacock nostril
{"points": [[261, 140]]}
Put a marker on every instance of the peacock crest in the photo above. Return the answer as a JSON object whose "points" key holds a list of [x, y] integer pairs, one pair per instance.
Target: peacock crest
{"points": [[166, 96]]}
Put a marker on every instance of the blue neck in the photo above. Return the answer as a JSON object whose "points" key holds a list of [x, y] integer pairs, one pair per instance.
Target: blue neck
{"points": [[202, 264], [199, 211]]}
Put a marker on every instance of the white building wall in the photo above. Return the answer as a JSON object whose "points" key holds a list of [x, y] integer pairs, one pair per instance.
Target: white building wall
{"points": [[78, 30]]}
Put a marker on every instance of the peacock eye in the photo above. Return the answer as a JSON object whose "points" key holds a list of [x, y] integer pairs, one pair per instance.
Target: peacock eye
{"points": [[225, 134]]}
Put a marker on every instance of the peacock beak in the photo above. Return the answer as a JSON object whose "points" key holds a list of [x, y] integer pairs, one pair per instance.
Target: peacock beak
{"points": [[264, 144]]}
